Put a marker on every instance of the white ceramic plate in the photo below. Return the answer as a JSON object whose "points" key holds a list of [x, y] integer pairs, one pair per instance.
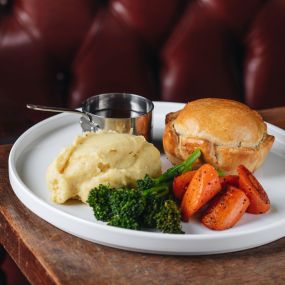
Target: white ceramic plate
{"points": [[38, 146]]}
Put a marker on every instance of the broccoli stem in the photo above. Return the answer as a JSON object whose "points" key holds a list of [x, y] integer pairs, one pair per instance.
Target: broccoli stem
{"points": [[158, 190], [180, 168]]}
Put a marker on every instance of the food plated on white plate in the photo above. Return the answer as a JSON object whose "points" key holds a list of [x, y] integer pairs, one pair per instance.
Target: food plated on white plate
{"points": [[35, 150], [214, 144]]}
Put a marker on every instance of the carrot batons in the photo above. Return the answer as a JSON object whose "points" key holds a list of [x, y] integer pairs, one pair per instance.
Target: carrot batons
{"points": [[181, 182], [259, 201], [204, 185], [226, 210]]}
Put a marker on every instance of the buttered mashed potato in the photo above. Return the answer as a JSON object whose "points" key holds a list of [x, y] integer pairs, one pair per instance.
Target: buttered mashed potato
{"points": [[101, 158]]}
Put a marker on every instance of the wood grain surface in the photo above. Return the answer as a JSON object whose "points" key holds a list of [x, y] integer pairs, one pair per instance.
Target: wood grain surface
{"points": [[48, 255]]}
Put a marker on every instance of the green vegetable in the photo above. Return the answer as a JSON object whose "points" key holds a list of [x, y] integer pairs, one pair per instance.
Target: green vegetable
{"points": [[153, 206], [162, 214], [168, 218], [124, 222], [180, 168], [148, 205], [127, 202], [99, 200]]}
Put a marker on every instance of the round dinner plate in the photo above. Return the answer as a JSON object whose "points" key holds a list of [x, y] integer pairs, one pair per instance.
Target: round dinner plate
{"points": [[38, 146]]}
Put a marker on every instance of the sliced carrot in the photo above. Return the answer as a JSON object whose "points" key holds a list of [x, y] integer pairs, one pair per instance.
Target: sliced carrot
{"points": [[229, 180], [225, 211], [259, 201], [181, 182], [204, 186]]}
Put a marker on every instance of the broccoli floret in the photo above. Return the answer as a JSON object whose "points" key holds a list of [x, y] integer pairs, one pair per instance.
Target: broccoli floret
{"points": [[168, 218], [124, 222], [163, 215], [127, 202], [134, 209], [153, 206], [146, 183], [99, 200]]}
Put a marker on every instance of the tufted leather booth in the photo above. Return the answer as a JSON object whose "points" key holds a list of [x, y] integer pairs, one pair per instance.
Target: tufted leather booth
{"points": [[60, 52]]}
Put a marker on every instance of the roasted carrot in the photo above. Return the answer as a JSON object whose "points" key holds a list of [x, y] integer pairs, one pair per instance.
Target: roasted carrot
{"points": [[181, 182], [226, 210], [204, 185], [229, 180], [259, 201]]}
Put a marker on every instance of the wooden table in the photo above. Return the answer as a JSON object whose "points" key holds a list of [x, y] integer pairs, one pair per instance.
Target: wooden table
{"points": [[48, 255]]}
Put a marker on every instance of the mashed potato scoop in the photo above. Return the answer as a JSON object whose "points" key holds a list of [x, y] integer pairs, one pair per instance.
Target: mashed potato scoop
{"points": [[104, 157]]}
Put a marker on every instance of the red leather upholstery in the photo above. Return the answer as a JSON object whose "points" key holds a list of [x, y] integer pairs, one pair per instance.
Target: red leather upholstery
{"points": [[60, 52]]}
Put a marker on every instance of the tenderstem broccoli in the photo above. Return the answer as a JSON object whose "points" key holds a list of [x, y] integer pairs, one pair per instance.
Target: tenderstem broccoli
{"points": [[180, 168], [168, 176], [147, 205]]}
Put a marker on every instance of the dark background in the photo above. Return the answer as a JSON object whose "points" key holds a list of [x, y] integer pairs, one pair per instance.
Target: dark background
{"points": [[61, 52]]}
